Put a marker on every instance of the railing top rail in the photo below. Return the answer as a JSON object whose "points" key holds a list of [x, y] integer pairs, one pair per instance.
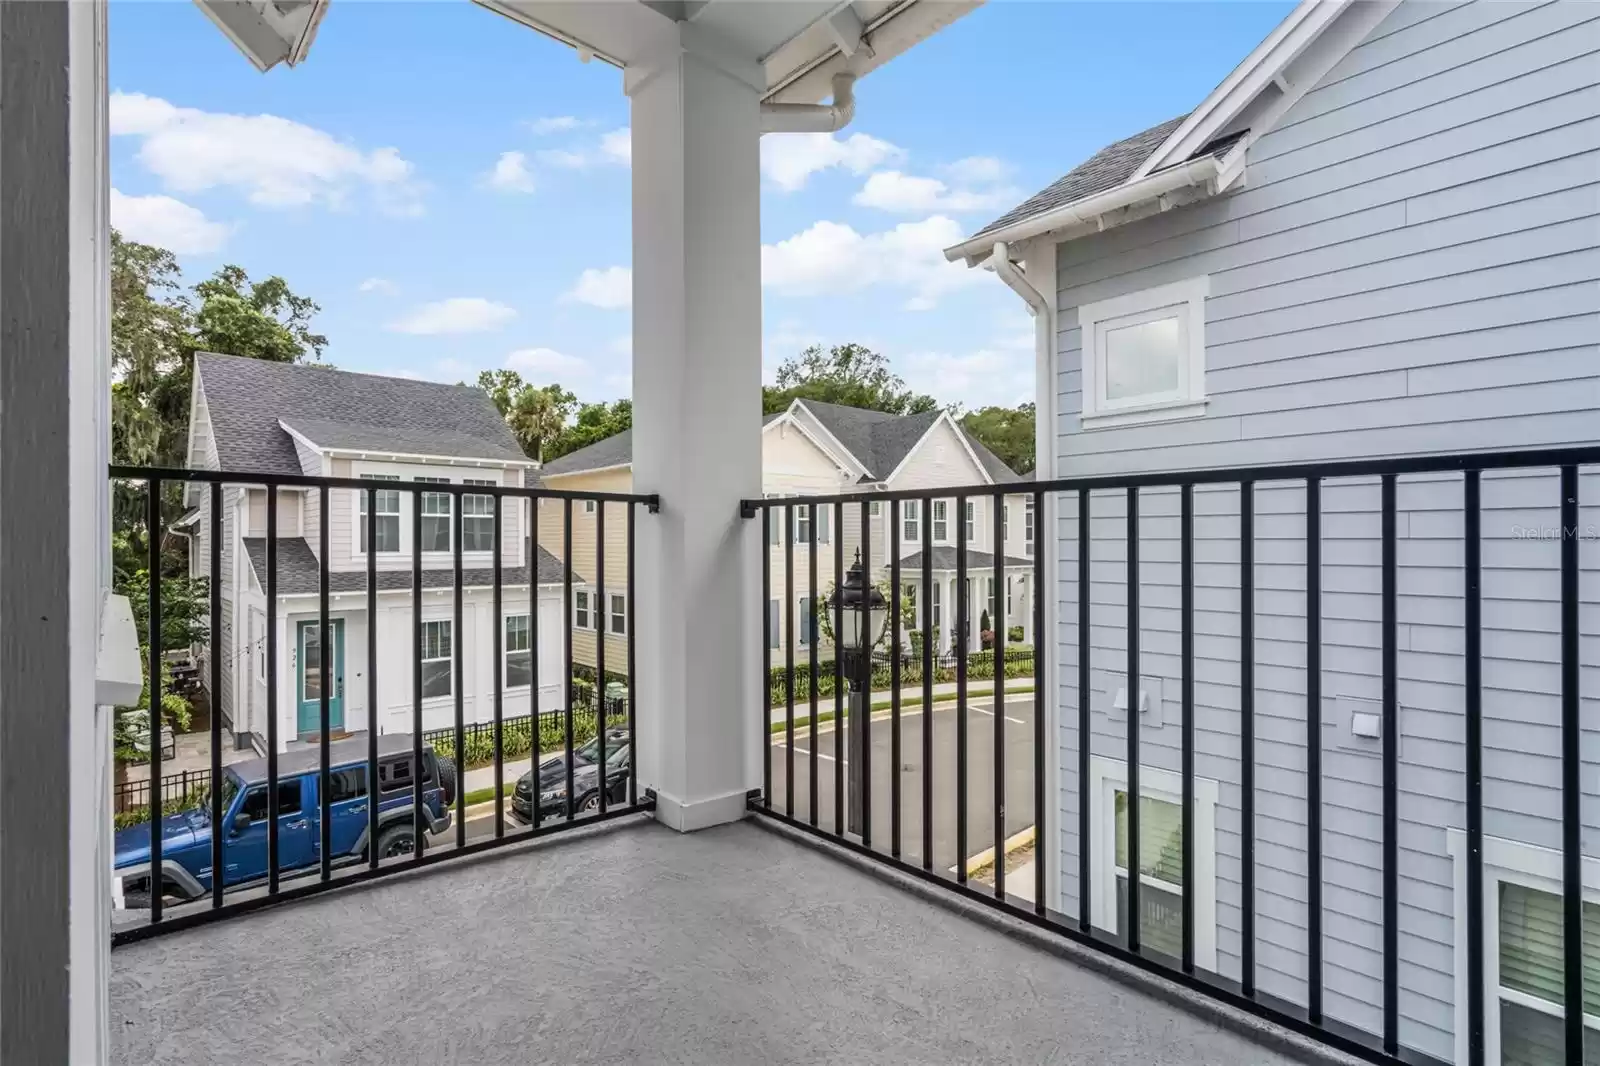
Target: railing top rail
{"points": [[1456, 462], [255, 478]]}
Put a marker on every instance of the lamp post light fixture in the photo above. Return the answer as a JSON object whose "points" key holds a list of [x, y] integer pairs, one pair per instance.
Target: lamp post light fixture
{"points": [[862, 612]]}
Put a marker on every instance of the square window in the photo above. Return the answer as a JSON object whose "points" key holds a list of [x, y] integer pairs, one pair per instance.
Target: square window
{"points": [[1143, 355]]}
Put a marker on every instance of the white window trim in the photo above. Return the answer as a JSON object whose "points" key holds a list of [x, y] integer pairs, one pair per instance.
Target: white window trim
{"points": [[594, 602], [506, 652], [969, 516], [1523, 864], [358, 520], [451, 658], [407, 475], [933, 511], [612, 614], [911, 518], [1109, 776], [1189, 297]]}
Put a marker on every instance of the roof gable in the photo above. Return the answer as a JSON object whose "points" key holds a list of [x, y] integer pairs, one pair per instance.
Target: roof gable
{"points": [[247, 399]]}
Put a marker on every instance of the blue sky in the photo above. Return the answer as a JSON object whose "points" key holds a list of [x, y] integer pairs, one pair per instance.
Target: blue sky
{"points": [[453, 189]]}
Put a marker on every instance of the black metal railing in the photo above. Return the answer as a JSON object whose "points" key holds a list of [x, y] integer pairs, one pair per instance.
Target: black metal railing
{"points": [[1121, 536], [394, 795]]}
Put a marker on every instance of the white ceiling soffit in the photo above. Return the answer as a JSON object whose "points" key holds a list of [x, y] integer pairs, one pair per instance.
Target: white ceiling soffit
{"points": [[801, 43], [268, 32]]}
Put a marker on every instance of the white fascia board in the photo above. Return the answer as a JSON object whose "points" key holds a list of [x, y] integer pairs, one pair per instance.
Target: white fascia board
{"points": [[1246, 81], [586, 470], [822, 437], [378, 453], [1197, 172]]}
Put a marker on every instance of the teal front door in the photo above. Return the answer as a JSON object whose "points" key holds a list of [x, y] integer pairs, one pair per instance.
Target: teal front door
{"points": [[310, 647]]}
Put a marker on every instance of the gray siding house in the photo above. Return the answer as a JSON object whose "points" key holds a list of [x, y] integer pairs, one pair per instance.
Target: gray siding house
{"points": [[1379, 237]]}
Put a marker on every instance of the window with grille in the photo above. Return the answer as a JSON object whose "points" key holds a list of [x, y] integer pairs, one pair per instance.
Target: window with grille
{"points": [[1160, 873], [477, 519], [437, 664], [519, 652], [387, 507], [435, 516]]}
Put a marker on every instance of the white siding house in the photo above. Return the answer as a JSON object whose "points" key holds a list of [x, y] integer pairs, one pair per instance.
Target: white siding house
{"points": [[252, 416], [1392, 247]]}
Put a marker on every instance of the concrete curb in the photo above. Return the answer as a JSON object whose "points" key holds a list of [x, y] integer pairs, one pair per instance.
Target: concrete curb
{"points": [[979, 860]]}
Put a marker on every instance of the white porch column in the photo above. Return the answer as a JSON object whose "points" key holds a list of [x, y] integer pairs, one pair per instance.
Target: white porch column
{"points": [[697, 423]]}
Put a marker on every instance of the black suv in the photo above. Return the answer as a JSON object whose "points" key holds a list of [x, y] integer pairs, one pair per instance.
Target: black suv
{"points": [[552, 780]]}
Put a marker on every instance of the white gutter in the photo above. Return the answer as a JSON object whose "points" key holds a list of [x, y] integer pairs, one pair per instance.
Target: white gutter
{"points": [[1018, 282], [1090, 209], [814, 118]]}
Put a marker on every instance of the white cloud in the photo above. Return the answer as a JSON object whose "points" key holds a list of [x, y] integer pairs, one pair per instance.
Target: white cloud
{"points": [[547, 363], [167, 223], [555, 124], [511, 173], [891, 190], [612, 149], [610, 289], [622, 345], [620, 383], [832, 258], [789, 159], [977, 170], [462, 314], [382, 285], [273, 161], [991, 375]]}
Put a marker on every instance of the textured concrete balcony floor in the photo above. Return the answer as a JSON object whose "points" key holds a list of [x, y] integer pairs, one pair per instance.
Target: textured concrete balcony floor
{"points": [[636, 945]]}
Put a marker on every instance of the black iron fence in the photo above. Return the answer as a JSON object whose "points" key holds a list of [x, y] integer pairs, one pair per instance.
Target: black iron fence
{"points": [[1248, 623], [131, 796], [284, 809]]}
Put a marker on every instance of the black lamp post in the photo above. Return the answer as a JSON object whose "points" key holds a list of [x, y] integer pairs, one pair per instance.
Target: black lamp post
{"points": [[862, 611]]}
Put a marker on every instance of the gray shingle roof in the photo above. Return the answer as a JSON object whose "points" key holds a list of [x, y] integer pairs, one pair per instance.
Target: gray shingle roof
{"points": [[246, 399], [1106, 169], [879, 441], [298, 571], [944, 558]]}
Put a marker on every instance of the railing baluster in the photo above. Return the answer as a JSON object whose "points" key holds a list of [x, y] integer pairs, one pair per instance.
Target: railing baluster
{"points": [[1571, 773], [893, 549], [1472, 597], [1314, 749], [272, 690], [457, 665], [839, 722], [997, 649], [373, 791], [1186, 608], [214, 699], [1391, 791], [325, 672], [1247, 737], [1085, 717], [963, 624], [1043, 846], [789, 635], [499, 625], [766, 657], [929, 638], [813, 631], [867, 642], [633, 676], [1133, 793], [601, 628], [571, 631], [418, 791], [535, 754], [153, 531]]}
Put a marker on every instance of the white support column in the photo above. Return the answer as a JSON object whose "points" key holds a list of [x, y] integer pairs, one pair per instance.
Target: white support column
{"points": [[697, 423]]}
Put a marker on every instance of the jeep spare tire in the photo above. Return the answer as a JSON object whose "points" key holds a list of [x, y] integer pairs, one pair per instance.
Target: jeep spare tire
{"points": [[447, 778]]}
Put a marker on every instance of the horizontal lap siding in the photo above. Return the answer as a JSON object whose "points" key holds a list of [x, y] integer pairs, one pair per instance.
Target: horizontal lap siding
{"points": [[1411, 268]]}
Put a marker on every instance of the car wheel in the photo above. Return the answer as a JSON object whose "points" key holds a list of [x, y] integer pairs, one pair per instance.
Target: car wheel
{"points": [[397, 840], [590, 803], [447, 778]]}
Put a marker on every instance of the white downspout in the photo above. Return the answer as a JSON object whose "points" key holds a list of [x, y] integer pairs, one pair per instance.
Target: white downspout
{"points": [[1018, 282], [814, 118]]}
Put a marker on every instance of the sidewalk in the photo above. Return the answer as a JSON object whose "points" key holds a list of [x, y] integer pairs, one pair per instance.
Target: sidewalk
{"points": [[908, 694]]}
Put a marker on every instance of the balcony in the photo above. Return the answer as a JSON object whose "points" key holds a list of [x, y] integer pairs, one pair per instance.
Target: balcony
{"points": [[631, 943]]}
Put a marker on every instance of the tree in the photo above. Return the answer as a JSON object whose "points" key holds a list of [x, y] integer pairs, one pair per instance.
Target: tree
{"points": [[849, 374], [537, 415], [595, 422], [1006, 431]]}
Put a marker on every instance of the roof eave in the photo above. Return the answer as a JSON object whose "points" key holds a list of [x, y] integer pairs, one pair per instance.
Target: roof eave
{"points": [[1092, 209]]}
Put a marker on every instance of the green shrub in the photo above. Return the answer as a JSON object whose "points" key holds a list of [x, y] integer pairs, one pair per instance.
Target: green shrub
{"points": [[1014, 634]]}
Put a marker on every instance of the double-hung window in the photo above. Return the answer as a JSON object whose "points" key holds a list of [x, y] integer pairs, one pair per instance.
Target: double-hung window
{"points": [[806, 624], [971, 512], [1027, 525], [435, 516], [1525, 987], [910, 515], [518, 651], [1005, 522], [477, 519], [802, 524], [387, 509], [941, 522], [1144, 355], [619, 612], [438, 668], [583, 609]]}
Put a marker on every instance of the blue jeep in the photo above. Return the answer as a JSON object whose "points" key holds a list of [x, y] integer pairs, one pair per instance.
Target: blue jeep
{"points": [[186, 834]]}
